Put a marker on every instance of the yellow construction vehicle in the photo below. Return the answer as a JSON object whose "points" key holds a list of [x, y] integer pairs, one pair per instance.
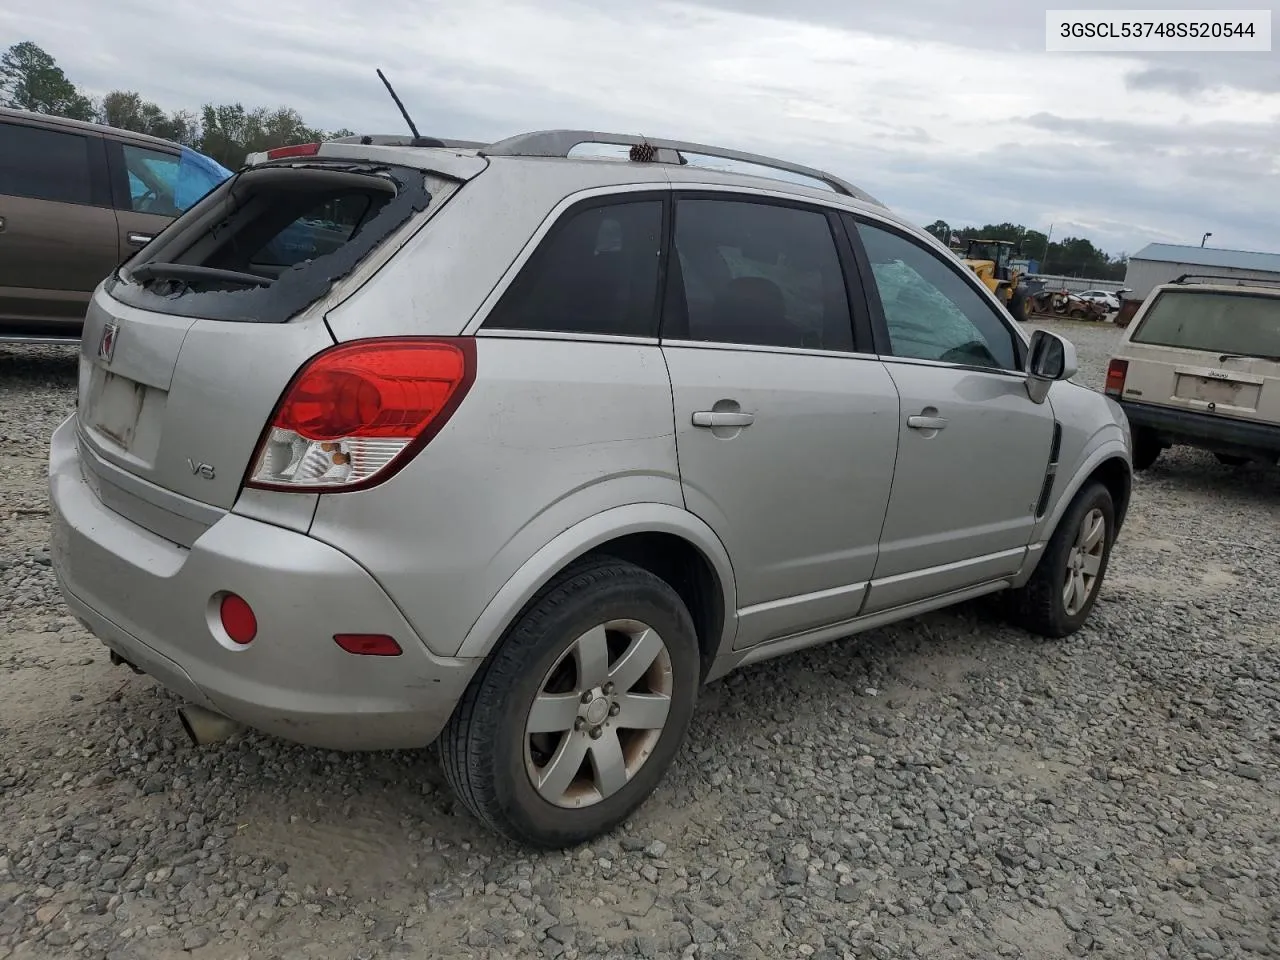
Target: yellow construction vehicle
{"points": [[989, 259]]}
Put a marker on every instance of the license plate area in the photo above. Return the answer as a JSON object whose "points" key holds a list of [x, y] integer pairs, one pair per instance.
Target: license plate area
{"points": [[124, 414], [1199, 387]]}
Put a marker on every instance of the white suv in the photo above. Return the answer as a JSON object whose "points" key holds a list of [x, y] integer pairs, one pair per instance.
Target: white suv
{"points": [[1200, 366]]}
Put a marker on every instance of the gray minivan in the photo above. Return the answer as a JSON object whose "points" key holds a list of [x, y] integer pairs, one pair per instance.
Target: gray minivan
{"points": [[75, 199]]}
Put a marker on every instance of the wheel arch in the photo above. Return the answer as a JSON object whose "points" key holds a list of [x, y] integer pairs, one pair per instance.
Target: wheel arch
{"points": [[1109, 464], [666, 540]]}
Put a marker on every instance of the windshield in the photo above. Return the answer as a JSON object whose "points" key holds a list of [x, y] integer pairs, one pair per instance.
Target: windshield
{"points": [[1222, 323]]}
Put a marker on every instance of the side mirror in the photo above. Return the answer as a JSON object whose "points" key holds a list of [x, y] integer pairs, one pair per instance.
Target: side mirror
{"points": [[1049, 358]]}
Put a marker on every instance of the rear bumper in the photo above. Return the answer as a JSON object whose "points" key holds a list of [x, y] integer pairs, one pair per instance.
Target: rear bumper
{"points": [[151, 601], [1202, 429]]}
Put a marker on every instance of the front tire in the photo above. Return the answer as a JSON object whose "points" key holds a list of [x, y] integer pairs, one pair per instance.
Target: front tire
{"points": [[579, 711], [1060, 595], [1018, 305]]}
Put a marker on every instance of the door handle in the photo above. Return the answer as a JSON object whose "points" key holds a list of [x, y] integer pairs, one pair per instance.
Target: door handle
{"points": [[140, 239], [722, 418], [926, 423]]}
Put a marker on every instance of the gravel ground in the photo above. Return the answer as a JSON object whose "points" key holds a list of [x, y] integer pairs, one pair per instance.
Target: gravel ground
{"points": [[943, 788]]}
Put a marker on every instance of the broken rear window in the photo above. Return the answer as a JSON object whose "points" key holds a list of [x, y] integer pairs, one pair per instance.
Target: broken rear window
{"points": [[271, 241]]}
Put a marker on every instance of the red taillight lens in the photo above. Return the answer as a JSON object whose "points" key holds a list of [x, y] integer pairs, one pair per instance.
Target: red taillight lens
{"points": [[1117, 370], [368, 644], [358, 412], [297, 150], [238, 619]]}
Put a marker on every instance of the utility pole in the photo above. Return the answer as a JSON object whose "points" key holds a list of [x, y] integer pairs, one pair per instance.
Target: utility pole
{"points": [[1044, 266]]}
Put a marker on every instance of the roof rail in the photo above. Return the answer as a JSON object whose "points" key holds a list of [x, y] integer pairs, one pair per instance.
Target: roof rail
{"points": [[558, 143], [400, 140], [1239, 281]]}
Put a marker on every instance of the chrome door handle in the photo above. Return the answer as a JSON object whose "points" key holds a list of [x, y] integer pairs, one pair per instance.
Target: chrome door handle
{"points": [[926, 423], [722, 418], [140, 239]]}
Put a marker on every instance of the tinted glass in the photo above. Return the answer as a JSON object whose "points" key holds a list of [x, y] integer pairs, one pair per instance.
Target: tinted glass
{"points": [[1214, 322], [931, 312], [44, 164], [595, 272], [758, 274]]}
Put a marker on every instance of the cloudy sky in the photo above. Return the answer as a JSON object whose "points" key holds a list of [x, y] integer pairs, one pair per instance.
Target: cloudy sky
{"points": [[939, 108]]}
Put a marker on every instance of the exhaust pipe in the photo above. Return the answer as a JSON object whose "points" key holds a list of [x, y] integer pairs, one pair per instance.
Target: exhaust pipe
{"points": [[204, 726]]}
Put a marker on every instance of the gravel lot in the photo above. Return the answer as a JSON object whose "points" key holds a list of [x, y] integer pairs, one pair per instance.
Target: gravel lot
{"points": [[944, 788]]}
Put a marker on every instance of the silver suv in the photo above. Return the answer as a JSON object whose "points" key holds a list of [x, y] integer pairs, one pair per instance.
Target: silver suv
{"points": [[384, 444]]}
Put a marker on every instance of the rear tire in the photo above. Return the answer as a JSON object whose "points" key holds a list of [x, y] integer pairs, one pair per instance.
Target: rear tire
{"points": [[1060, 595], [1146, 449], [539, 747]]}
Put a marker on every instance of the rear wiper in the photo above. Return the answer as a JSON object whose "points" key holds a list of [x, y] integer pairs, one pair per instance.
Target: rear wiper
{"points": [[1246, 356], [189, 271]]}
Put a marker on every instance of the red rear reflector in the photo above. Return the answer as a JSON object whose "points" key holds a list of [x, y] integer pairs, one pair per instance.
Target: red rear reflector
{"points": [[368, 644], [297, 150], [238, 619], [1117, 370]]}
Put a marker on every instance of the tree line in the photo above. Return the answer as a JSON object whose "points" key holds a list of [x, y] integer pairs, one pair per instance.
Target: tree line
{"points": [[30, 79], [1072, 256]]}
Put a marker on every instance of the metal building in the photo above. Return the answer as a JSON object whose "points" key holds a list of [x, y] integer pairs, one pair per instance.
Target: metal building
{"points": [[1159, 263]]}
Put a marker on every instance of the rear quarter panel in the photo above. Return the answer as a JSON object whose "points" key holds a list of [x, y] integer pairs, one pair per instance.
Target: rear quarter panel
{"points": [[553, 432]]}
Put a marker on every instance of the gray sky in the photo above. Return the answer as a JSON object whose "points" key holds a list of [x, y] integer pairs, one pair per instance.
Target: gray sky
{"points": [[938, 108]]}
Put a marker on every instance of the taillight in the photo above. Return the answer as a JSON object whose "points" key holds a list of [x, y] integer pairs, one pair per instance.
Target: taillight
{"points": [[297, 150], [358, 412], [1117, 370]]}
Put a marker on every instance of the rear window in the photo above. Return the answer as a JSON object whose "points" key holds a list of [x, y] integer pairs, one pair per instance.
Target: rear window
{"points": [[1212, 321], [271, 241]]}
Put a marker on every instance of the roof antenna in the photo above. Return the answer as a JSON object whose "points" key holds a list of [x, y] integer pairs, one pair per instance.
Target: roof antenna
{"points": [[418, 139]]}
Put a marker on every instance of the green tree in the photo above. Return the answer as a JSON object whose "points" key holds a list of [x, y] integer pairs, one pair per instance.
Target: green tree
{"points": [[229, 132], [940, 229], [127, 110], [30, 79]]}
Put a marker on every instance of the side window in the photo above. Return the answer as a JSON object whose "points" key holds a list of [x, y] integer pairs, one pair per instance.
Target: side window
{"points": [[931, 312], [44, 164], [596, 271], [758, 274], [197, 175], [153, 180]]}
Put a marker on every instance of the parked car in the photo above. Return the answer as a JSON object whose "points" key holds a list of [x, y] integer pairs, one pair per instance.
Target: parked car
{"points": [[1199, 366], [1105, 297], [75, 199], [546, 442]]}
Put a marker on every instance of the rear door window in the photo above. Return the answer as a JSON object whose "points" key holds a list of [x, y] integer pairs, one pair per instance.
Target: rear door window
{"points": [[42, 164], [756, 274], [1214, 322], [167, 183]]}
